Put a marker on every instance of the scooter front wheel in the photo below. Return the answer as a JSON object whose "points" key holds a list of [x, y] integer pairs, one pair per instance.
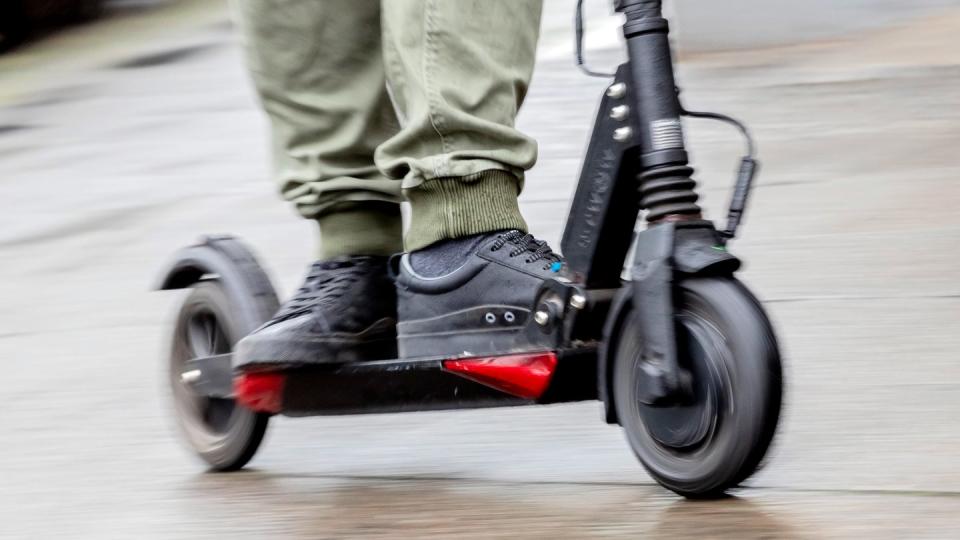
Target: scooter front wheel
{"points": [[717, 437], [223, 433]]}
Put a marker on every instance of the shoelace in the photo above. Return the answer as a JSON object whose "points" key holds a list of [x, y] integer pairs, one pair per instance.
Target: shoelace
{"points": [[537, 250], [326, 282]]}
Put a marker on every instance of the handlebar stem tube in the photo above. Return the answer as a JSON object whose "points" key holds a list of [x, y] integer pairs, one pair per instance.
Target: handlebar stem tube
{"points": [[667, 188]]}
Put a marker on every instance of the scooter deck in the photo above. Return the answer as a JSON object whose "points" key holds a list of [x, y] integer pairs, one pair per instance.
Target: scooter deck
{"points": [[387, 386]]}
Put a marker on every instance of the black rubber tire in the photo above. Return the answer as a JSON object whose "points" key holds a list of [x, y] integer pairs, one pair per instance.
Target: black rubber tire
{"points": [[223, 434], [726, 329]]}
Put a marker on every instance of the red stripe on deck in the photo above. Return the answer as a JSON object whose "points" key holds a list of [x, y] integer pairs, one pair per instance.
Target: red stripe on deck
{"points": [[526, 376]]}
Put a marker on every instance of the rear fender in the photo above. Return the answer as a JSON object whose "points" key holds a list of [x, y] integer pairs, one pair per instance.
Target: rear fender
{"points": [[233, 265]]}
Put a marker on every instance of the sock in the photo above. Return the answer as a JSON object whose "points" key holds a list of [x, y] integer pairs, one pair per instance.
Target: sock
{"points": [[445, 256]]}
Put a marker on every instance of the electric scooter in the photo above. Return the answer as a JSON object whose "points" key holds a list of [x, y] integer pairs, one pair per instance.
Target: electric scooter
{"points": [[677, 350]]}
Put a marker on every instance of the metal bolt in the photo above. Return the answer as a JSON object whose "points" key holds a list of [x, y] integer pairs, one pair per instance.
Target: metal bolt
{"points": [[622, 134], [578, 301], [620, 112], [617, 90], [541, 317], [191, 376]]}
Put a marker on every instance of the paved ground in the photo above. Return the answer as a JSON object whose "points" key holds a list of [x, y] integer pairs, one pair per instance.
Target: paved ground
{"points": [[122, 141], [748, 23]]}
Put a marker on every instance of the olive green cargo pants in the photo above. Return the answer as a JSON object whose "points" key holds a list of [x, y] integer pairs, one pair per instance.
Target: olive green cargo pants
{"points": [[371, 101]]}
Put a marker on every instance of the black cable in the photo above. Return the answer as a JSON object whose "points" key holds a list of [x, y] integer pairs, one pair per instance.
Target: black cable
{"points": [[751, 146], [745, 175], [578, 30]]}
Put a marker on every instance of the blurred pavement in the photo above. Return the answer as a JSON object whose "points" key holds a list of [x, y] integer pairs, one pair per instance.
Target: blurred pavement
{"points": [[126, 139], [708, 24]]}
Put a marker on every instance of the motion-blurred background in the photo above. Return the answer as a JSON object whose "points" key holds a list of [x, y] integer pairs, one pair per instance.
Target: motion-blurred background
{"points": [[128, 128]]}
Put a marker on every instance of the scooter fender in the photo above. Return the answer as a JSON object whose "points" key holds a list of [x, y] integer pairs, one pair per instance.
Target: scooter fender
{"points": [[664, 254], [230, 262]]}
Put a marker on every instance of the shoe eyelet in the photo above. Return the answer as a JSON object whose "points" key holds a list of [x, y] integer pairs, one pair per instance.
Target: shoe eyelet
{"points": [[490, 318], [509, 317]]}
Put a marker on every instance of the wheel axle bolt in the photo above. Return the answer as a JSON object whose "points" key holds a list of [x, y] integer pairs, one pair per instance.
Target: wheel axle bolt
{"points": [[578, 301], [617, 90], [619, 112], [541, 318], [191, 376], [622, 134]]}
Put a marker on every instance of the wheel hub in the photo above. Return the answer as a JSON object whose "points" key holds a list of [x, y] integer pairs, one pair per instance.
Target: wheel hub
{"points": [[689, 423]]}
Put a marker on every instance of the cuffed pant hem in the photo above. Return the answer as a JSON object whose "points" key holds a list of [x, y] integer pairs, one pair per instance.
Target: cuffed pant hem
{"points": [[454, 207]]}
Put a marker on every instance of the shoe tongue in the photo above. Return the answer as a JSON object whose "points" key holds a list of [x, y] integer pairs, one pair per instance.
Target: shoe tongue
{"points": [[530, 244], [521, 240], [333, 264], [348, 261]]}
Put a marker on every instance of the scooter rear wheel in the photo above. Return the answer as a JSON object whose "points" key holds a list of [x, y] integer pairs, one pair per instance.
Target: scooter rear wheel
{"points": [[715, 440], [223, 433]]}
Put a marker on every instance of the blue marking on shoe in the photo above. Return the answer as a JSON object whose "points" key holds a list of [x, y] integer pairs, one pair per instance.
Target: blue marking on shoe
{"points": [[555, 267]]}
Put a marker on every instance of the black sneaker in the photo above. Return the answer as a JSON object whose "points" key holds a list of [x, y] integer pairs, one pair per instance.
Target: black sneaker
{"points": [[479, 308], [344, 312]]}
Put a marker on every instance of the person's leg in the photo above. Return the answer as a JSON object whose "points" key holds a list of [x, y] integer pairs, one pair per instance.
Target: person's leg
{"points": [[458, 71], [318, 68]]}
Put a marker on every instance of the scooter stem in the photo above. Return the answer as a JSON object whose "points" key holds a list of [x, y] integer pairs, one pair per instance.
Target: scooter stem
{"points": [[667, 187]]}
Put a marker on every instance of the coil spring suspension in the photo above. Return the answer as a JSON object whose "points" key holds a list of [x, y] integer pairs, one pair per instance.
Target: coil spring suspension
{"points": [[668, 191]]}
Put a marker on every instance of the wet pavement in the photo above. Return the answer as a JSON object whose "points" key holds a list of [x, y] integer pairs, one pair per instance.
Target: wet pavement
{"points": [[126, 139], [707, 24]]}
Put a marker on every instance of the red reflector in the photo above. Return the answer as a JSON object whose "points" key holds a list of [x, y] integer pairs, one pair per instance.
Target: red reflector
{"points": [[523, 375], [261, 392]]}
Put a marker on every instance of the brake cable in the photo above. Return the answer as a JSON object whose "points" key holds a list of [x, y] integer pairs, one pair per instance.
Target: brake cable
{"points": [[578, 50], [745, 174]]}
